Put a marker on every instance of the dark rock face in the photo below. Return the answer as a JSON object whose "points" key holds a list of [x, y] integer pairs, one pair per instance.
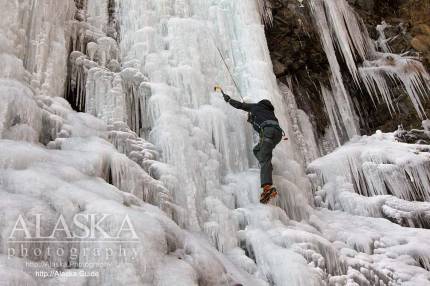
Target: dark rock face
{"points": [[418, 13], [409, 29], [414, 136], [368, 5], [409, 22], [297, 52]]}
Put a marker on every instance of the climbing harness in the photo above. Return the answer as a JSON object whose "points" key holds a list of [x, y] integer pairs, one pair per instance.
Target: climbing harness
{"points": [[271, 123]]}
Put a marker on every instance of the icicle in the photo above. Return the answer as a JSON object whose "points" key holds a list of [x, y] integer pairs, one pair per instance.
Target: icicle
{"points": [[340, 96], [340, 112], [382, 41], [104, 95], [409, 71], [265, 9], [339, 25], [333, 114], [378, 166], [301, 126], [135, 99]]}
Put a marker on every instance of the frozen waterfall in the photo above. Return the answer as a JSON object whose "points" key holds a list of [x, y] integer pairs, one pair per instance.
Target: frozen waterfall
{"points": [[154, 153]]}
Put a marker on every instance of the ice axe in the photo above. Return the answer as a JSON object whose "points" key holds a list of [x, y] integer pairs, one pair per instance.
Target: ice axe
{"points": [[218, 88]]}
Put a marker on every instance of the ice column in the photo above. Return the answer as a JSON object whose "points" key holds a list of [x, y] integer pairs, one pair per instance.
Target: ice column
{"points": [[339, 105]]}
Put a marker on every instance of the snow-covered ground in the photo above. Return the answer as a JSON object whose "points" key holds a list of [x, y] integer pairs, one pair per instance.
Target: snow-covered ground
{"points": [[156, 183]]}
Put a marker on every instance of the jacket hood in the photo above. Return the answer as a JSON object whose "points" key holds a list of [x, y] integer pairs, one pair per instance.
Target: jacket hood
{"points": [[267, 104]]}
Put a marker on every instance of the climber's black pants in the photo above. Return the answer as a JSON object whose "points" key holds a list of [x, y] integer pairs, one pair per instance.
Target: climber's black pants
{"points": [[269, 138]]}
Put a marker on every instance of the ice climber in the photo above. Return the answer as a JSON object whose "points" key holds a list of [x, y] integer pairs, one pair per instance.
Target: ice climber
{"points": [[262, 117]]}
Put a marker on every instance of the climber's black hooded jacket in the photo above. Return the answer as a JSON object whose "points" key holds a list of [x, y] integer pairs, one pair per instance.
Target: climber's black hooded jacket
{"points": [[259, 112]]}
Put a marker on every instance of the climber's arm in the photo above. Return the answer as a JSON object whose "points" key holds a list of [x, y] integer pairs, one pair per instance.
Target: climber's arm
{"points": [[237, 104]]}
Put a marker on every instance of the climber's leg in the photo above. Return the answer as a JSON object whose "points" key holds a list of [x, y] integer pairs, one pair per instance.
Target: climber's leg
{"points": [[271, 137]]}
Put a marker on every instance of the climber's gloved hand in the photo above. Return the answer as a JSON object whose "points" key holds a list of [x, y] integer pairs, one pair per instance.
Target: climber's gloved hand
{"points": [[226, 97]]}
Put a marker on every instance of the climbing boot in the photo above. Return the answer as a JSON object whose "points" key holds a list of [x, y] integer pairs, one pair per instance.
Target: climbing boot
{"points": [[268, 193]]}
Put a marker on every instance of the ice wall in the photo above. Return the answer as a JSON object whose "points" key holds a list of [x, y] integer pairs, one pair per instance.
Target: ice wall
{"points": [[33, 49], [163, 92], [55, 161], [169, 153], [205, 141], [35, 33], [182, 116], [265, 9]]}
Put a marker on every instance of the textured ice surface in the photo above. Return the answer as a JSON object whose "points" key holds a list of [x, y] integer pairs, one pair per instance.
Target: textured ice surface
{"points": [[35, 33], [367, 183], [175, 107], [382, 253], [378, 165], [157, 145], [72, 179]]}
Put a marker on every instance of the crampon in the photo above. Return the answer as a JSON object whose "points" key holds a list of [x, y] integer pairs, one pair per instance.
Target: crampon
{"points": [[268, 193]]}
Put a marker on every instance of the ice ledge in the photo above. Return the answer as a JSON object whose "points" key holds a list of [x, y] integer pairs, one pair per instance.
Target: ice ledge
{"points": [[377, 165]]}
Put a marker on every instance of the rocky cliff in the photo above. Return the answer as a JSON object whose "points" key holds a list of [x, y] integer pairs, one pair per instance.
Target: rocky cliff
{"points": [[397, 26]]}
